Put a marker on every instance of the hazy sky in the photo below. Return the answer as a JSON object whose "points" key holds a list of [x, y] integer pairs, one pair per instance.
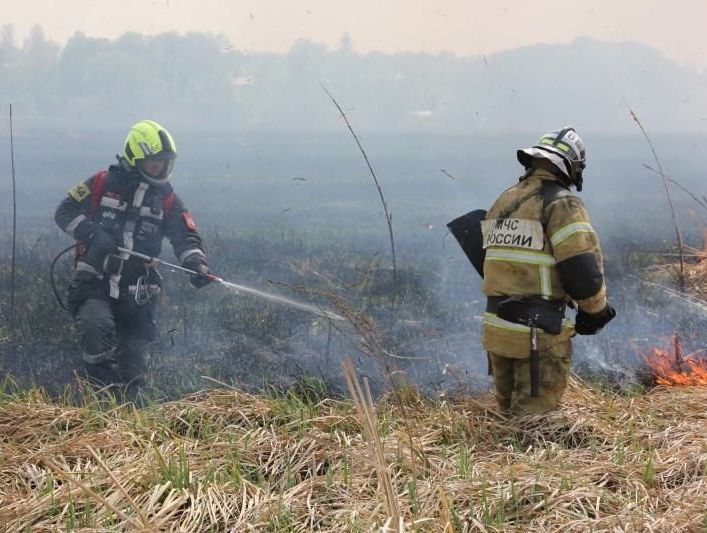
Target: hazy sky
{"points": [[676, 27]]}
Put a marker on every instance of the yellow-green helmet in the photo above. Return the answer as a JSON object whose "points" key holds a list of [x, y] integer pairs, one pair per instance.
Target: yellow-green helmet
{"points": [[147, 140]]}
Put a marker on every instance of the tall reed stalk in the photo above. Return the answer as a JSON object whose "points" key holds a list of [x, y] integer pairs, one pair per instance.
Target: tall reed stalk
{"points": [[14, 228], [387, 213], [664, 179]]}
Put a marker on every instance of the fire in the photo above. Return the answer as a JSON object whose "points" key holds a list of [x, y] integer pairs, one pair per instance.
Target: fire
{"points": [[674, 368]]}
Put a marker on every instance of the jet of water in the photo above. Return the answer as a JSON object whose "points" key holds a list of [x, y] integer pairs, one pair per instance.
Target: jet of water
{"points": [[238, 288], [280, 299]]}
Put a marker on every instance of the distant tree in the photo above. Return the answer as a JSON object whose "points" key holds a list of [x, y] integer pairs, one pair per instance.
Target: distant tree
{"points": [[7, 37], [345, 44], [201, 81], [36, 75], [8, 61]]}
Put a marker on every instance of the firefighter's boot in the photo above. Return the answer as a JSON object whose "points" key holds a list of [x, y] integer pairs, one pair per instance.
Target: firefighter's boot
{"points": [[132, 368]]}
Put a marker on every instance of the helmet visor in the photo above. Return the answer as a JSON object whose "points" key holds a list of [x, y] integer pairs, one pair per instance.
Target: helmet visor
{"points": [[156, 169]]}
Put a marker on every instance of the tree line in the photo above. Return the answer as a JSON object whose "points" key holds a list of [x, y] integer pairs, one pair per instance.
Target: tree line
{"points": [[203, 81]]}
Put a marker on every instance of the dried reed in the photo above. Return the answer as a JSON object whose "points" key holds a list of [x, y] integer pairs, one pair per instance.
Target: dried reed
{"points": [[231, 461]]}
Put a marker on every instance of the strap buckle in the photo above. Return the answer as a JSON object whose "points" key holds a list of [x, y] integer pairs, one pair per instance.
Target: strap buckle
{"points": [[113, 264], [148, 285]]}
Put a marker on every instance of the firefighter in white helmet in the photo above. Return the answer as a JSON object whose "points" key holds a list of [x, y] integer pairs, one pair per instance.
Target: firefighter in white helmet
{"points": [[541, 254]]}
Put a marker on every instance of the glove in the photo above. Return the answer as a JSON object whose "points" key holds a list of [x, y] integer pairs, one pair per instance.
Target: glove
{"points": [[592, 323], [197, 263], [98, 242]]}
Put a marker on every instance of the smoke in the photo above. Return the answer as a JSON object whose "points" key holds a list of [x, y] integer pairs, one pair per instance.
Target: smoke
{"points": [[325, 231]]}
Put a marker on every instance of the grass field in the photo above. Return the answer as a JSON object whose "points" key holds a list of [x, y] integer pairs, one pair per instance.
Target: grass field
{"points": [[225, 460]]}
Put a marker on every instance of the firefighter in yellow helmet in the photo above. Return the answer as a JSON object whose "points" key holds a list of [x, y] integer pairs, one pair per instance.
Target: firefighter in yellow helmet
{"points": [[112, 294], [538, 253]]}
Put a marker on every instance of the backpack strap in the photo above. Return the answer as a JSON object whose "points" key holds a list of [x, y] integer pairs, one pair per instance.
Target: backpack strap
{"points": [[168, 203], [551, 191], [99, 181], [97, 186]]}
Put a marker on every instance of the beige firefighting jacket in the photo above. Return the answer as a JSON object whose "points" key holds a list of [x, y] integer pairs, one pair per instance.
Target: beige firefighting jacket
{"points": [[524, 244]]}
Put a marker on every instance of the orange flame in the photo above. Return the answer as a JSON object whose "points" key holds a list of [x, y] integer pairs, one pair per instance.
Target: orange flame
{"points": [[674, 369]]}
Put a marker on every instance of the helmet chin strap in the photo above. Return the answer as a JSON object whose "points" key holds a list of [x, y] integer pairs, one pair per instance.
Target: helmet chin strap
{"points": [[574, 168], [578, 179]]}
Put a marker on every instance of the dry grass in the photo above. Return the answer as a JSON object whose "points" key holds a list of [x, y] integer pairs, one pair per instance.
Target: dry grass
{"points": [[667, 275], [230, 461]]}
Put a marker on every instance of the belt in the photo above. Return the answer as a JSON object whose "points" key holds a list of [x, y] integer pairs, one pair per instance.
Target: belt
{"points": [[493, 301], [535, 312]]}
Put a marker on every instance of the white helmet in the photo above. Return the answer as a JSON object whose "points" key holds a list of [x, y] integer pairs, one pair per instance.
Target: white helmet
{"points": [[564, 149]]}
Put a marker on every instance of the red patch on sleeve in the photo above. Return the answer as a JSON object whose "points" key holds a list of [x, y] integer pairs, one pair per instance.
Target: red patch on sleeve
{"points": [[189, 221]]}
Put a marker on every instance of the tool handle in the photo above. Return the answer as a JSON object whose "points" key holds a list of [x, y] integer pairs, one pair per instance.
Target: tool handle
{"points": [[210, 277], [534, 364]]}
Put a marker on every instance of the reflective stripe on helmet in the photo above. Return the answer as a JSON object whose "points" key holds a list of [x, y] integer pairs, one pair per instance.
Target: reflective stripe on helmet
{"points": [[145, 148], [566, 148], [564, 142]]}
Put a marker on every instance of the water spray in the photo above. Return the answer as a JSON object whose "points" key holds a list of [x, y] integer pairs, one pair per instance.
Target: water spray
{"points": [[236, 287]]}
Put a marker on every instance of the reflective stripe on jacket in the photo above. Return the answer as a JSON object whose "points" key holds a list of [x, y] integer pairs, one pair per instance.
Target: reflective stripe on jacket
{"points": [[568, 237], [136, 214]]}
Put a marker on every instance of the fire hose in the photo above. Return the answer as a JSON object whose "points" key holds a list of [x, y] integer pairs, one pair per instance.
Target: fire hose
{"points": [[211, 277]]}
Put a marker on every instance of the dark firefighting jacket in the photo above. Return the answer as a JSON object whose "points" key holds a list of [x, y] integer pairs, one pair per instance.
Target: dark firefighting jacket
{"points": [[539, 244], [136, 214]]}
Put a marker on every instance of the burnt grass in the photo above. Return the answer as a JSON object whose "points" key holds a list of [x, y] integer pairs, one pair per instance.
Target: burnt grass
{"points": [[214, 335]]}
